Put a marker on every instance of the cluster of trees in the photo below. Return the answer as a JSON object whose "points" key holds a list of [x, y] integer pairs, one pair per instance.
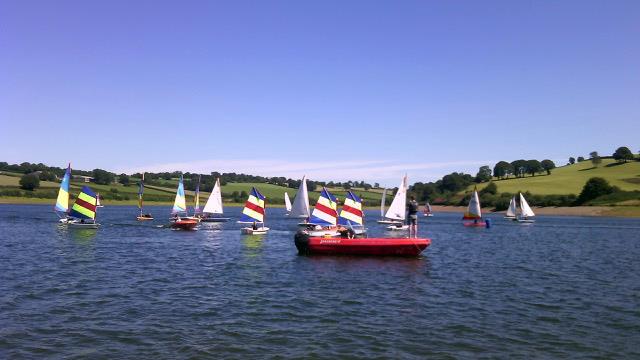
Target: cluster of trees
{"points": [[442, 190], [621, 155], [519, 168]]}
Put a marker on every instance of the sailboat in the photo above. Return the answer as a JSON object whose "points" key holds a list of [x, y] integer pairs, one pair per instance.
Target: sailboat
{"points": [[323, 219], [427, 209], [300, 207], [382, 208], [98, 204], [180, 206], [287, 203], [473, 211], [83, 212], [142, 216], [62, 202], [511, 211], [253, 213], [351, 215], [197, 213], [397, 211], [214, 205], [525, 212]]}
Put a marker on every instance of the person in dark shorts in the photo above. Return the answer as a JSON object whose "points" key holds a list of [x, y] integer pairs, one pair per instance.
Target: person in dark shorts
{"points": [[413, 217]]}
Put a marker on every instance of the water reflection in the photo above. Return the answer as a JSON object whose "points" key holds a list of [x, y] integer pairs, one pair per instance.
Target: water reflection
{"points": [[253, 245]]}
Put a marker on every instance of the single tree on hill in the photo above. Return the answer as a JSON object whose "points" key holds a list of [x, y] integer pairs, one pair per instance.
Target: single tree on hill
{"points": [[502, 170], [572, 160], [103, 177], [623, 154], [29, 182], [596, 160], [548, 165], [593, 188], [580, 158], [123, 179], [533, 166], [484, 174], [519, 167]]}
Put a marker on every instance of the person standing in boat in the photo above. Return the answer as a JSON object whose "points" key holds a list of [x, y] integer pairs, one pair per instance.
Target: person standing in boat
{"points": [[413, 217]]}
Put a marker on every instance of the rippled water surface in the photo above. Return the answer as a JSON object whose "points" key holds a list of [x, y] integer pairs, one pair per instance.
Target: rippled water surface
{"points": [[562, 287]]}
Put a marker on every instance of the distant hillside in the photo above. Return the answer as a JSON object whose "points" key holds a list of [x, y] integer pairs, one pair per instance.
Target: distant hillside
{"points": [[570, 179]]}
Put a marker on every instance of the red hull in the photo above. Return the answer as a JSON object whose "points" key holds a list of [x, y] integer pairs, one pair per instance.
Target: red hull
{"points": [[478, 224], [360, 246], [184, 224]]}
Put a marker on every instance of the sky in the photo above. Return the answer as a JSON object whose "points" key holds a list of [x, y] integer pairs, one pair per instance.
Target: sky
{"points": [[336, 90]]}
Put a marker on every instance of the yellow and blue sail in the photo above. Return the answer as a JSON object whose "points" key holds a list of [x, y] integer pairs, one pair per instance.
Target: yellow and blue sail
{"points": [[85, 205], [254, 207], [140, 192], [325, 212], [180, 203], [351, 213], [62, 203]]}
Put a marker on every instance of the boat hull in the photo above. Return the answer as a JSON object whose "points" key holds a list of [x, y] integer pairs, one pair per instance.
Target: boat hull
{"points": [[214, 219], [144, 218], [389, 222], [252, 231], [397, 228], [184, 224], [308, 245], [79, 225]]}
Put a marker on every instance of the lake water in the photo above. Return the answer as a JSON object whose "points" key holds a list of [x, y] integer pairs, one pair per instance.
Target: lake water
{"points": [[564, 287]]}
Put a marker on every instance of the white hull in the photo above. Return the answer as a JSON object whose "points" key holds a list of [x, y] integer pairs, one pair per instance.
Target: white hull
{"points": [[251, 231], [428, 215], [389, 222], [323, 233], [398, 228], [79, 225], [525, 220], [510, 217]]}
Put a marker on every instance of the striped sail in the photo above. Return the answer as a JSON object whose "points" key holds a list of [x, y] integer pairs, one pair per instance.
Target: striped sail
{"points": [[196, 200], [85, 205], [326, 211], [351, 213], [473, 210], [254, 207], [140, 192], [62, 203], [180, 203]]}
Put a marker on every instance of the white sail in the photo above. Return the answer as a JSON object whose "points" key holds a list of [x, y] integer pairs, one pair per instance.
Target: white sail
{"points": [[473, 211], [524, 206], [511, 211], [287, 202], [384, 197], [214, 202], [428, 206], [397, 210], [98, 200], [300, 206]]}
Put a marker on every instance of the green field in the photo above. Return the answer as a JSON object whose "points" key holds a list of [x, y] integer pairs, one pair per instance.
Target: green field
{"points": [[571, 178]]}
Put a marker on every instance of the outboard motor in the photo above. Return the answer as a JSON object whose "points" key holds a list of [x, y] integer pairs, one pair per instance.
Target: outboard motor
{"points": [[302, 243]]}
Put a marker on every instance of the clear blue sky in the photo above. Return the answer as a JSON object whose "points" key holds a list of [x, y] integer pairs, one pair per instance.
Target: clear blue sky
{"points": [[334, 89]]}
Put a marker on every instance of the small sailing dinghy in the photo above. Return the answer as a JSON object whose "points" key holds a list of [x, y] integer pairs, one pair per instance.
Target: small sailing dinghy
{"points": [[253, 213], [324, 218], [62, 202], [397, 211], [287, 203], [180, 206], [427, 210], [511, 211], [142, 216], [473, 212], [525, 212], [300, 207], [384, 220], [83, 212], [196, 204], [351, 216], [98, 204], [214, 205]]}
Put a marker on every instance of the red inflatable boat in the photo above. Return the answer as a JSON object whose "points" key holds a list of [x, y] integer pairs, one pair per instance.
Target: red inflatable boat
{"points": [[184, 224], [359, 246]]}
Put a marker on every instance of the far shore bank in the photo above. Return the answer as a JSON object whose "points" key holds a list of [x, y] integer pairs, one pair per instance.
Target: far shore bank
{"points": [[616, 211]]}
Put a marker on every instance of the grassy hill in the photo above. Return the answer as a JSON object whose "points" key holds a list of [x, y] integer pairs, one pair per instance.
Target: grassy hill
{"points": [[570, 179]]}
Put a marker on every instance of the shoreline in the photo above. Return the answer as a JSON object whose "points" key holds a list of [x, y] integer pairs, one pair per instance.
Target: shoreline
{"points": [[604, 211]]}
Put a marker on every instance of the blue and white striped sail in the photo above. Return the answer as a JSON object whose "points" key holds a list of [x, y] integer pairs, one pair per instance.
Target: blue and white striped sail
{"points": [[326, 211], [254, 208], [62, 203], [351, 213], [180, 203]]}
